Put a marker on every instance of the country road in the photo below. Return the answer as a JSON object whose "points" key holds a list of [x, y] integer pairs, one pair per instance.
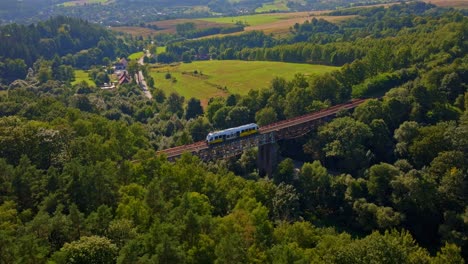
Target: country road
{"points": [[141, 79]]}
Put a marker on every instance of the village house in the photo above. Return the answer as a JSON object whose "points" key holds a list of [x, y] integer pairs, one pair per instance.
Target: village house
{"points": [[121, 65], [124, 78]]}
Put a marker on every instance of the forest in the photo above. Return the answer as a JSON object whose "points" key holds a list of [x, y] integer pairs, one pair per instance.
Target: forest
{"points": [[80, 181]]}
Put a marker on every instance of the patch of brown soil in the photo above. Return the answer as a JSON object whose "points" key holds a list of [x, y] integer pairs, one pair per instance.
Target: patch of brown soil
{"points": [[449, 3], [282, 26], [135, 31]]}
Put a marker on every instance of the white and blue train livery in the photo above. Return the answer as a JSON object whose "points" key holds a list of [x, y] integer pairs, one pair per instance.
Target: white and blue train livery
{"points": [[231, 133]]}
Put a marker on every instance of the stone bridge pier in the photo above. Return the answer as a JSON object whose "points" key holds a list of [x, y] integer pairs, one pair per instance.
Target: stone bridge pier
{"points": [[267, 159]]}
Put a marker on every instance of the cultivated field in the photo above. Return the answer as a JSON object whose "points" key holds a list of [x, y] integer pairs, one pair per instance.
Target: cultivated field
{"points": [[80, 76], [220, 78], [449, 3], [277, 23], [136, 31], [282, 27]]}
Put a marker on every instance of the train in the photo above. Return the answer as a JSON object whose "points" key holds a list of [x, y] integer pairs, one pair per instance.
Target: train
{"points": [[231, 133]]}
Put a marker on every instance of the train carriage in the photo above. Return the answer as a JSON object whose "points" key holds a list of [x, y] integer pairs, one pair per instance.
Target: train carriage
{"points": [[231, 133]]}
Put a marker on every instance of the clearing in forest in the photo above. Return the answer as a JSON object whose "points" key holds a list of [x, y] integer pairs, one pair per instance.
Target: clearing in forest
{"points": [[80, 76], [206, 79]]}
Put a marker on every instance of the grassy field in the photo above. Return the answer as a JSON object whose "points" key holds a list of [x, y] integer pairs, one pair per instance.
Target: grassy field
{"points": [[80, 76], [136, 55], [221, 78], [251, 20], [277, 5], [160, 50]]}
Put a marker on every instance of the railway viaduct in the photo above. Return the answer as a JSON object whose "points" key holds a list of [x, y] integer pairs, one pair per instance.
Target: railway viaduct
{"points": [[265, 140]]}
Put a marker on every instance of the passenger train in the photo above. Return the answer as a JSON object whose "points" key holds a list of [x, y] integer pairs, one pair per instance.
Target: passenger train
{"points": [[231, 133]]}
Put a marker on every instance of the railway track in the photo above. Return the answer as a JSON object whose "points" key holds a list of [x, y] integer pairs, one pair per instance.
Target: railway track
{"points": [[310, 117]]}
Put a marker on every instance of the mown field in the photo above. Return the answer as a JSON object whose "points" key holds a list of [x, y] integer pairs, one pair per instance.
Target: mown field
{"points": [[221, 78], [80, 76]]}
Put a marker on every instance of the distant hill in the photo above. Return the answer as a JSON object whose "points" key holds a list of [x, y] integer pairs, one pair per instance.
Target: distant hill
{"points": [[24, 10], [134, 12], [57, 36]]}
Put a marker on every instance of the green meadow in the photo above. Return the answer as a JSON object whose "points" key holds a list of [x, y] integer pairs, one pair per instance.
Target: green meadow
{"points": [[80, 76], [136, 55], [205, 79], [160, 49], [251, 20], [273, 6]]}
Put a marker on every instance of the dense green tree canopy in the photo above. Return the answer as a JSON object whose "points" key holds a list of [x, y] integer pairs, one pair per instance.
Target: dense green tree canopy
{"points": [[81, 181]]}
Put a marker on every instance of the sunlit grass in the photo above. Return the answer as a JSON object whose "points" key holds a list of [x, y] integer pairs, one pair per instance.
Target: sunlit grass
{"points": [[275, 6], [136, 55], [80, 76], [251, 20], [221, 78]]}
